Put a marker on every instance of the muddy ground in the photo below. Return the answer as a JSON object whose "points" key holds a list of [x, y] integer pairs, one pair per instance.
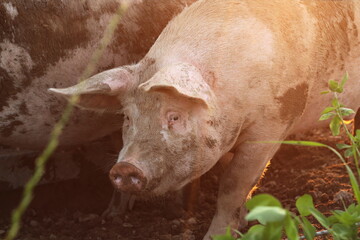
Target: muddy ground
{"points": [[72, 210]]}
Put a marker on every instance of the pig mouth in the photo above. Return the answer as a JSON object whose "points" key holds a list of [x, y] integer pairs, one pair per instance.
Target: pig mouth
{"points": [[164, 185]]}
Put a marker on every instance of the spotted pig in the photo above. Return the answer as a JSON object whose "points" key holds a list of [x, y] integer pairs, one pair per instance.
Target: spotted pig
{"points": [[48, 44], [221, 76]]}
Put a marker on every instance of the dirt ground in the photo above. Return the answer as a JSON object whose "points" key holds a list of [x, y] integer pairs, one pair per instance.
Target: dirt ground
{"points": [[72, 210]]}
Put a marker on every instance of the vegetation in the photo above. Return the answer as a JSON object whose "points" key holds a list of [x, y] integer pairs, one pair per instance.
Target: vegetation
{"points": [[275, 222]]}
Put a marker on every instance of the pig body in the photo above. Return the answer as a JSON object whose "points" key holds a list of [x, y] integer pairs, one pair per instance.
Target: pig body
{"points": [[222, 74], [43, 44]]}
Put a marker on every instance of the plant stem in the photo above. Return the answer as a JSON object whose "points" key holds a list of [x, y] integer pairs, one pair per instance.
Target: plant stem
{"points": [[350, 136]]}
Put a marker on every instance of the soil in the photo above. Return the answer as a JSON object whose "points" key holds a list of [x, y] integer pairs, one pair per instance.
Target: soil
{"points": [[72, 209]]}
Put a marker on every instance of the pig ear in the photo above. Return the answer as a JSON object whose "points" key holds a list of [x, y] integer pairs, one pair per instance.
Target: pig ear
{"points": [[101, 91], [183, 79]]}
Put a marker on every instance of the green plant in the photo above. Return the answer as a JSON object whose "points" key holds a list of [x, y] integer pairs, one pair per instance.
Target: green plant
{"points": [[275, 220], [336, 112]]}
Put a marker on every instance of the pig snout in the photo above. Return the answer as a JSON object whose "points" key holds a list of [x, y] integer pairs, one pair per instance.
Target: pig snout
{"points": [[127, 178]]}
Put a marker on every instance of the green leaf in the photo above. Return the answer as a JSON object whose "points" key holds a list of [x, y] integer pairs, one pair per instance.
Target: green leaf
{"points": [[343, 231], [292, 142], [328, 109], [304, 143], [354, 183], [227, 235], [256, 232], [335, 126], [273, 231], [333, 85], [333, 218], [238, 232], [346, 111], [308, 228], [320, 217], [346, 217], [262, 200], [303, 204], [344, 79], [349, 152], [352, 208], [335, 103], [291, 229], [266, 214], [326, 116], [342, 146], [324, 92], [357, 133]]}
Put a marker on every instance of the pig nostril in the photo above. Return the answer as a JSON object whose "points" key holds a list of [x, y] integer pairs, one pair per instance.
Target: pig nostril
{"points": [[127, 178], [117, 179], [135, 180]]}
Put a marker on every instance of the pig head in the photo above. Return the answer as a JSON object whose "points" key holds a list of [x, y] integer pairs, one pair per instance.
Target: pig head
{"points": [[169, 127]]}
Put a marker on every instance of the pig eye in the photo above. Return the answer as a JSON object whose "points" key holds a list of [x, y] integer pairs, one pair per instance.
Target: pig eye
{"points": [[126, 120], [173, 117]]}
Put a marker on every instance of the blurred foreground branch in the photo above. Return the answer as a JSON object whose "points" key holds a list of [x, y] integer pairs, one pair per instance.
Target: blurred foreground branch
{"points": [[59, 126]]}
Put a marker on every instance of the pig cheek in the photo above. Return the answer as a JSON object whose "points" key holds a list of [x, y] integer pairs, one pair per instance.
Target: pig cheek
{"points": [[168, 171]]}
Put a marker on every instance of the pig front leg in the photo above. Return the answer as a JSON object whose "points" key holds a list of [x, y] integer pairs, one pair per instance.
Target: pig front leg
{"points": [[241, 175]]}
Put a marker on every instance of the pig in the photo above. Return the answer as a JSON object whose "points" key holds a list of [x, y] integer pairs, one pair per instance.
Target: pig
{"points": [[49, 43], [223, 75]]}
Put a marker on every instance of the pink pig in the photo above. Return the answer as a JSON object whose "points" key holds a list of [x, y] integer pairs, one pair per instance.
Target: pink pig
{"points": [[222, 74]]}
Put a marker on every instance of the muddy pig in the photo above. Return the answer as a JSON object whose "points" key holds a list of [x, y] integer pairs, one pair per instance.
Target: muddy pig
{"points": [[223, 74], [48, 44]]}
